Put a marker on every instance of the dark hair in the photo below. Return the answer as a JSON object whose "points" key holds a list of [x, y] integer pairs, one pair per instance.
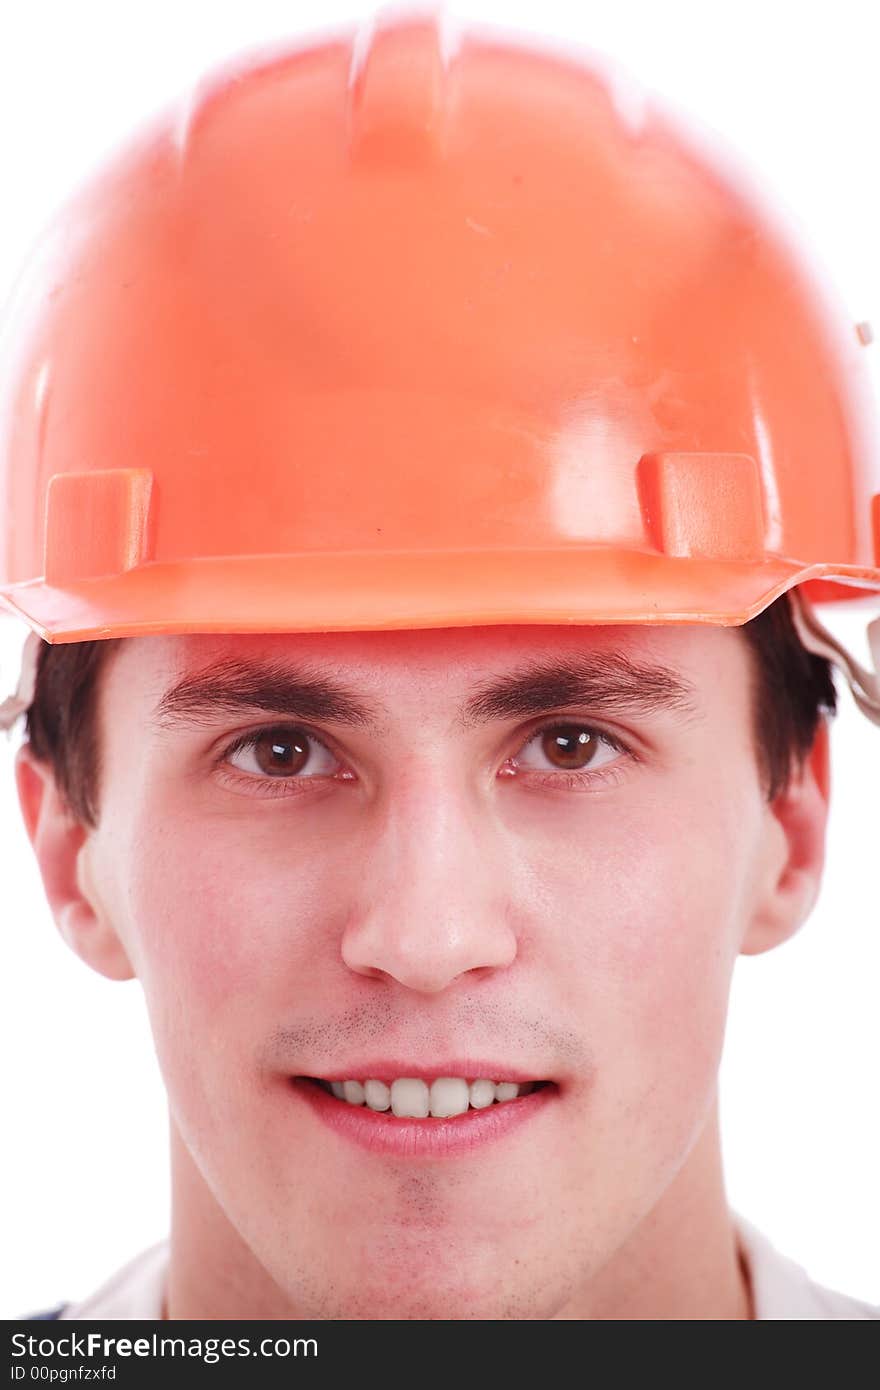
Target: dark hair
{"points": [[61, 722], [791, 691]]}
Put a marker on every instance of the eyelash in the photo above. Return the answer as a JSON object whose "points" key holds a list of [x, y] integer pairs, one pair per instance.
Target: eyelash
{"points": [[571, 780]]}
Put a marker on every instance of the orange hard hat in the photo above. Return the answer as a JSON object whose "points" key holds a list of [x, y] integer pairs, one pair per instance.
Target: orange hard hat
{"points": [[379, 330]]}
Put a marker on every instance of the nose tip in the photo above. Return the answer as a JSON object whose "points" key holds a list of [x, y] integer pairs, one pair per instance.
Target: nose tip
{"points": [[427, 961]]}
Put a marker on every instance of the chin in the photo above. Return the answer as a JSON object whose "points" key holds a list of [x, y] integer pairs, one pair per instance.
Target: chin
{"points": [[443, 1304], [414, 1280]]}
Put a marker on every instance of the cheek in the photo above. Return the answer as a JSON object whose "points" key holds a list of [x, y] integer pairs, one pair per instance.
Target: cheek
{"points": [[650, 900], [230, 922]]}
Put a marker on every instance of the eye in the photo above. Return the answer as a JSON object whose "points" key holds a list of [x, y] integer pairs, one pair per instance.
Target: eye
{"points": [[576, 752], [282, 753]]}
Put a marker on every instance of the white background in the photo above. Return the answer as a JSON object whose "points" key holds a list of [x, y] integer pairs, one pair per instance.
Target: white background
{"points": [[792, 88]]}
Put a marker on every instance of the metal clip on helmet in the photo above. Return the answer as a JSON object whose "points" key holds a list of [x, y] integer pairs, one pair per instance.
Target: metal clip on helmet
{"points": [[401, 328]]}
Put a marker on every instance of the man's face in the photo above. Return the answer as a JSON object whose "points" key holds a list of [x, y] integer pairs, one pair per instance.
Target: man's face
{"points": [[550, 884]]}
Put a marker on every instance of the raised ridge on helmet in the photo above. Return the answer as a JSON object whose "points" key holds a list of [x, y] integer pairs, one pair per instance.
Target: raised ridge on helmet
{"points": [[400, 88]]}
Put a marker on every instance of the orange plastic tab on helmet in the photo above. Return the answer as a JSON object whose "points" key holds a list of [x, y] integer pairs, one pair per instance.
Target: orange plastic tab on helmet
{"points": [[703, 505], [96, 523]]}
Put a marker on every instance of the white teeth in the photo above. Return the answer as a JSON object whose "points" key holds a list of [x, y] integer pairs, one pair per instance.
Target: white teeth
{"points": [[411, 1098], [449, 1096], [378, 1095], [482, 1094]]}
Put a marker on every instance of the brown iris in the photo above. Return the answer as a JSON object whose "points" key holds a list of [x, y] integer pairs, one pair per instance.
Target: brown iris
{"points": [[277, 751], [570, 745]]}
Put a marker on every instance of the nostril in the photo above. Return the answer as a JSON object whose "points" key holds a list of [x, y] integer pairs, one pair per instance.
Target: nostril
{"points": [[430, 946]]}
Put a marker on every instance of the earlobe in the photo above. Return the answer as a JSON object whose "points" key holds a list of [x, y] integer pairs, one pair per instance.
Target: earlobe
{"points": [[792, 852], [63, 847]]}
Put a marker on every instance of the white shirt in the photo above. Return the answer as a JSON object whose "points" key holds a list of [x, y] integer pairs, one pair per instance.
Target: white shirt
{"points": [[781, 1289]]}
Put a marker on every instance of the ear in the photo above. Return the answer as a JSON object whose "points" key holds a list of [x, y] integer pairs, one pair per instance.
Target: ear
{"points": [[63, 847], [793, 852]]}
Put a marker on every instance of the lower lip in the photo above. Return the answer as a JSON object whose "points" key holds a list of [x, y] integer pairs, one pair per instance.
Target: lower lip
{"points": [[381, 1132]]}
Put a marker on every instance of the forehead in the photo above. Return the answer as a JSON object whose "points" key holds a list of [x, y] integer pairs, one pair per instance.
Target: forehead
{"points": [[361, 676], [467, 647]]}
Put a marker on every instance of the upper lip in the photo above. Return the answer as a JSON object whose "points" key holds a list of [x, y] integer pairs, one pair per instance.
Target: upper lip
{"points": [[470, 1068]]}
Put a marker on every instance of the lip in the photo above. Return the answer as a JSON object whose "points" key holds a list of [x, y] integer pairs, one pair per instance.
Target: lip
{"points": [[381, 1132]]}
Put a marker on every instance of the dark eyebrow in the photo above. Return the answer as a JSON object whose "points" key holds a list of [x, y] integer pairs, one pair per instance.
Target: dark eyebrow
{"points": [[231, 686], [608, 679]]}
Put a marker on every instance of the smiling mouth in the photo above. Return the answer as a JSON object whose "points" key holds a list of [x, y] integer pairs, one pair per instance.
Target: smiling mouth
{"points": [[416, 1099]]}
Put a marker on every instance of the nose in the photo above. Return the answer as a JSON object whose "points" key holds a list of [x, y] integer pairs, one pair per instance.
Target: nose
{"points": [[433, 900]]}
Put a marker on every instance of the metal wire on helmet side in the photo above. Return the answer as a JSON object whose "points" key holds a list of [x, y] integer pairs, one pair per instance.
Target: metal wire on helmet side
{"points": [[20, 700], [864, 684]]}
